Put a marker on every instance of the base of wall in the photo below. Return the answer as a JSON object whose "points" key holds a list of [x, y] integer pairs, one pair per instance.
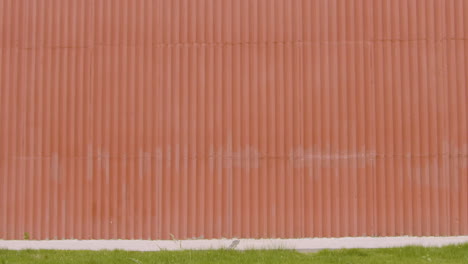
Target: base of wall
{"points": [[303, 244]]}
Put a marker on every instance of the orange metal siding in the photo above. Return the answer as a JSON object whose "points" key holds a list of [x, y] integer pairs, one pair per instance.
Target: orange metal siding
{"points": [[233, 118]]}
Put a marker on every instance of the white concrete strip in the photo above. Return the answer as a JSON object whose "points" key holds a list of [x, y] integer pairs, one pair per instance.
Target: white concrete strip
{"points": [[307, 244]]}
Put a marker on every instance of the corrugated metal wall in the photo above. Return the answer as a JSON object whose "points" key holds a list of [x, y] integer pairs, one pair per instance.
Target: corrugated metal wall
{"points": [[234, 118]]}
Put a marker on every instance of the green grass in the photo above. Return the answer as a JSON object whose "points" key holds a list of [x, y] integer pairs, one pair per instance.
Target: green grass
{"points": [[450, 254]]}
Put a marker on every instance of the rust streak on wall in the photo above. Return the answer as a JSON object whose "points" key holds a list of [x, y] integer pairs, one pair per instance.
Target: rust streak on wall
{"points": [[237, 118]]}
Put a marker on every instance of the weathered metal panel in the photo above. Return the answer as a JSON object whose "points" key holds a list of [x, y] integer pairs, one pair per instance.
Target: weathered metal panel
{"points": [[237, 118]]}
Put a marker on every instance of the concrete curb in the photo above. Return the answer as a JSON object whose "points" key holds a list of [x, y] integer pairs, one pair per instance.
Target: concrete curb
{"points": [[303, 244]]}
